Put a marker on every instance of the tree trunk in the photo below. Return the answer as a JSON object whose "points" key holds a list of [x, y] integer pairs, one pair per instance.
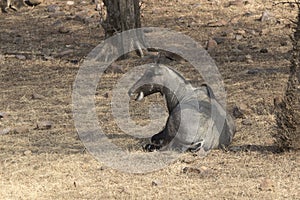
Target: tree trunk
{"points": [[288, 110], [122, 15]]}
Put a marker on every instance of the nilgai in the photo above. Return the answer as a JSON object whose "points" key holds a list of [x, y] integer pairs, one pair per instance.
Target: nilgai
{"points": [[196, 119]]}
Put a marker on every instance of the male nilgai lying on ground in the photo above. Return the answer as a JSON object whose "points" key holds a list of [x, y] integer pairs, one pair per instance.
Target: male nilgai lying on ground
{"points": [[196, 119]]}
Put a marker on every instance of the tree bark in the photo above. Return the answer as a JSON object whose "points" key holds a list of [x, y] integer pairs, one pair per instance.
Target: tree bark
{"points": [[122, 15], [288, 110]]}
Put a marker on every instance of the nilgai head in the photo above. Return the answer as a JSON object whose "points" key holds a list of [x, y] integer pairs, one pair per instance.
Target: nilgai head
{"points": [[151, 82]]}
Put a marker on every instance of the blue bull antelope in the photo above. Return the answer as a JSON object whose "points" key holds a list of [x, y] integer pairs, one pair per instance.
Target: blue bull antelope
{"points": [[196, 119]]}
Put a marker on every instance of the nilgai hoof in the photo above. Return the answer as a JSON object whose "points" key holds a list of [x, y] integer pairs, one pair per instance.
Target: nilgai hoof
{"points": [[151, 147]]}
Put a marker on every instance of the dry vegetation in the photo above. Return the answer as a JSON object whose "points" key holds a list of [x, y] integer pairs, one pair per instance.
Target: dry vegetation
{"points": [[40, 54]]}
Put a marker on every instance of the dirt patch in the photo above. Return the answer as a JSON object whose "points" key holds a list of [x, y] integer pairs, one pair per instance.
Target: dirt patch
{"points": [[40, 54]]}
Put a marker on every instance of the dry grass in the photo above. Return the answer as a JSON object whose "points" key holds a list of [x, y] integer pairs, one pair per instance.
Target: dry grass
{"points": [[52, 164]]}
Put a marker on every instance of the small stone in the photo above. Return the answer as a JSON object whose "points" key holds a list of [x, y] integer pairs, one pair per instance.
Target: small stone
{"points": [[265, 16], [74, 61], [115, 69], [264, 50], [196, 5], [44, 125], [237, 113], [65, 53], [46, 57], [57, 14], [99, 6], [247, 122], [27, 152], [149, 30], [57, 23], [2, 115], [203, 168], [278, 102], [193, 24], [155, 183], [236, 51], [90, 20], [219, 40], [239, 58], [211, 44], [270, 141], [20, 57], [202, 171], [283, 43], [36, 96], [242, 47], [187, 170], [253, 32], [201, 153], [63, 30], [18, 39], [266, 185], [235, 148], [219, 23], [247, 14], [264, 32], [235, 19], [80, 16], [252, 71], [5, 131], [249, 58], [103, 168], [238, 37], [249, 61], [53, 8], [106, 95], [70, 3], [230, 35], [237, 3], [158, 11], [241, 32], [21, 129]]}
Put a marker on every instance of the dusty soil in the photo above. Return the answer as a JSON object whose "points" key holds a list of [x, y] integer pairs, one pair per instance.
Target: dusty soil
{"points": [[41, 154]]}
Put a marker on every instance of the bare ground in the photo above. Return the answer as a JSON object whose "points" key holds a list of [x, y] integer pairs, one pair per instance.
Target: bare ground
{"points": [[39, 61]]}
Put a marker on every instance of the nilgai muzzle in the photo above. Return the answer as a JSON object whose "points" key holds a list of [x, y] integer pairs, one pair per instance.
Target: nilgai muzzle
{"points": [[196, 119]]}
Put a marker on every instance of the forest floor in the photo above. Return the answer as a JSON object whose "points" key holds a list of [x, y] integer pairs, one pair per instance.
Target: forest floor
{"points": [[41, 155]]}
